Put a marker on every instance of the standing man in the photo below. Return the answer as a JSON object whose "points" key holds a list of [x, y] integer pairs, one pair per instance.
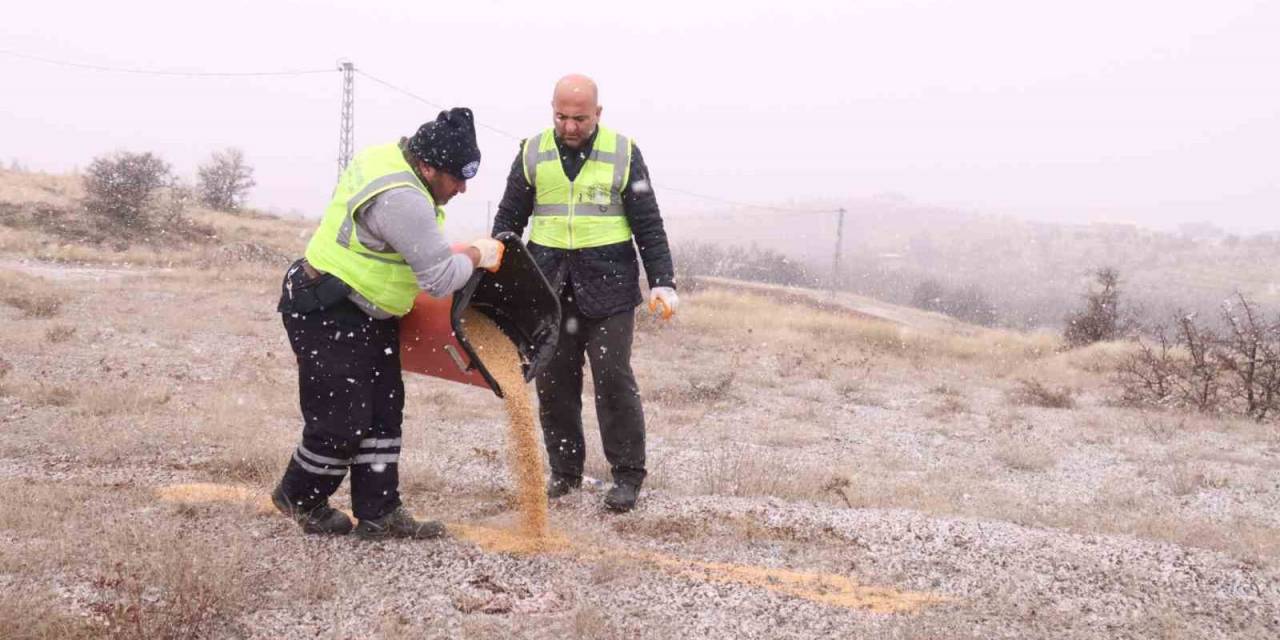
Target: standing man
{"points": [[379, 243], [588, 192]]}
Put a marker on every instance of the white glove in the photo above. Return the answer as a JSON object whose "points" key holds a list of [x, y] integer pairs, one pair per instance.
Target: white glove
{"points": [[490, 253], [666, 298]]}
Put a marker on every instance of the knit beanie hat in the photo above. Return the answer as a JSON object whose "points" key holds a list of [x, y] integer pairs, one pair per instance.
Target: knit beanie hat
{"points": [[448, 143]]}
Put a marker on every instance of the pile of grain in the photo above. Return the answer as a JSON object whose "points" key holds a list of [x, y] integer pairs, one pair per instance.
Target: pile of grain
{"points": [[503, 362]]}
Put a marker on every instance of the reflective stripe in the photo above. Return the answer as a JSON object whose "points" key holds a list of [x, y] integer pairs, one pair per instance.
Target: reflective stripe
{"points": [[374, 458], [344, 232], [323, 459], [317, 470], [380, 443], [531, 158], [598, 210], [604, 156], [550, 209], [619, 168], [583, 209], [548, 155]]}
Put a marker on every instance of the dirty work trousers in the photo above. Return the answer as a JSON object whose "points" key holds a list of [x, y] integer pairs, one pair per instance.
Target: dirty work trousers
{"points": [[606, 343], [352, 399]]}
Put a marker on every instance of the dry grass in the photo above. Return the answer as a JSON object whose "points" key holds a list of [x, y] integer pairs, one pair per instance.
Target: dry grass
{"points": [[694, 391], [29, 611], [745, 471], [789, 420], [1185, 478], [34, 297], [950, 405], [35, 305], [1021, 455], [766, 321], [1033, 393], [120, 399], [148, 574], [42, 394]]}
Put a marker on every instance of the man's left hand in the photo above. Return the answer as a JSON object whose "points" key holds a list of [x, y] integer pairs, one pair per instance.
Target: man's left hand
{"points": [[663, 301]]}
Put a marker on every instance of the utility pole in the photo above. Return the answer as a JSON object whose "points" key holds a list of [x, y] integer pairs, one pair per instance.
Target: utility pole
{"points": [[835, 263], [347, 130]]}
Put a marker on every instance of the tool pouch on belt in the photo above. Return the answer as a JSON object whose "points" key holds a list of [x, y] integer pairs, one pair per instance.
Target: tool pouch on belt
{"points": [[300, 293]]}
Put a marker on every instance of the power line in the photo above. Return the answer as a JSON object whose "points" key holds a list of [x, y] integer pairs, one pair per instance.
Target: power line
{"points": [[393, 87], [749, 205], [164, 72], [513, 136], [434, 104]]}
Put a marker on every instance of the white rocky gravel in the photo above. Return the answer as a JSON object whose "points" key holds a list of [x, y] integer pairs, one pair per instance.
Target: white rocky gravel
{"points": [[936, 510]]}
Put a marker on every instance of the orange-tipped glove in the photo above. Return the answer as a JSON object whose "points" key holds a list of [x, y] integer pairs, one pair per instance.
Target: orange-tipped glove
{"points": [[663, 301], [490, 253]]}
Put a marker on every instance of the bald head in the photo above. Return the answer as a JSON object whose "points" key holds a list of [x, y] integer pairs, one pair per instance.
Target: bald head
{"points": [[576, 86], [575, 109]]}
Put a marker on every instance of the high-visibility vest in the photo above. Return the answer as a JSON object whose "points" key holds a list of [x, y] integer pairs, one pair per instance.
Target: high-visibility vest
{"points": [[383, 278], [586, 211]]}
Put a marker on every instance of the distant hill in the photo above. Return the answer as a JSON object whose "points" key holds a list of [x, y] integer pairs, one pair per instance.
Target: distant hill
{"points": [[1033, 273]]}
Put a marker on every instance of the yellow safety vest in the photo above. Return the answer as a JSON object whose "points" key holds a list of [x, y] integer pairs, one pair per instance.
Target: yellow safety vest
{"points": [[383, 278], [586, 211]]}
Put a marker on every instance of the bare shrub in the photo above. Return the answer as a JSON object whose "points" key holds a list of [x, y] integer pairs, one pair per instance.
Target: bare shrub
{"points": [[124, 186], [1186, 479], [742, 472], [1200, 369], [1198, 380], [173, 593], [59, 333], [1100, 319], [1249, 355], [1032, 392], [1185, 370], [225, 180], [35, 305]]}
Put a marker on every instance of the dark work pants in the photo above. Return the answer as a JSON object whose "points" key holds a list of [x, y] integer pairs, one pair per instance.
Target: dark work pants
{"points": [[606, 342], [352, 399]]}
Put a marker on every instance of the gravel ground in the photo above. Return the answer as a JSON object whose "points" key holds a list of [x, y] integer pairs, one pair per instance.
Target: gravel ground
{"points": [[921, 486]]}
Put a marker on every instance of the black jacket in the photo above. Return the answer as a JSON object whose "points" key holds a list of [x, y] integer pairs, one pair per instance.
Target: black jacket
{"points": [[605, 280]]}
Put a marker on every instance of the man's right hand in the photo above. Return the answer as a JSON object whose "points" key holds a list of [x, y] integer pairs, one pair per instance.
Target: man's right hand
{"points": [[488, 254]]}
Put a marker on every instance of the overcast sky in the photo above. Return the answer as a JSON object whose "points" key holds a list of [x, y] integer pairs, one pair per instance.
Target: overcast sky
{"points": [[1153, 111]]}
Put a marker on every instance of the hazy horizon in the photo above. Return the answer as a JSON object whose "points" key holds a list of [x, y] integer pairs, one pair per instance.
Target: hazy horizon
{"points": [[1148, 112]]}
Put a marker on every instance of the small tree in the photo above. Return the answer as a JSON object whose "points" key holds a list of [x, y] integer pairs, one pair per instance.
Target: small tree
{"points": [[123, 186], [225, 180], [1100, 319], [929, 295], [971, 304]]}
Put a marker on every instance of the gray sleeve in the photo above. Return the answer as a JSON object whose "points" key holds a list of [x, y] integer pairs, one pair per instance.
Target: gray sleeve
{"points": [[403, 220]]}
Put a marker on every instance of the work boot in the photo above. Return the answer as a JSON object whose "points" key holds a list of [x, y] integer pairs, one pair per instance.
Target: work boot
{"points": [[319, 519], [622, 497], [398, 524], [561, 485]]}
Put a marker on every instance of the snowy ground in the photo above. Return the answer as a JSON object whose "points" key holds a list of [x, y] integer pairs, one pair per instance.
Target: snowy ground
{"points": [[811, 476]]}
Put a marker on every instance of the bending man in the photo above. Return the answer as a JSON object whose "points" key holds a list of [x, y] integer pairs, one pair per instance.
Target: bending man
{"points": [[379, 243]]}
